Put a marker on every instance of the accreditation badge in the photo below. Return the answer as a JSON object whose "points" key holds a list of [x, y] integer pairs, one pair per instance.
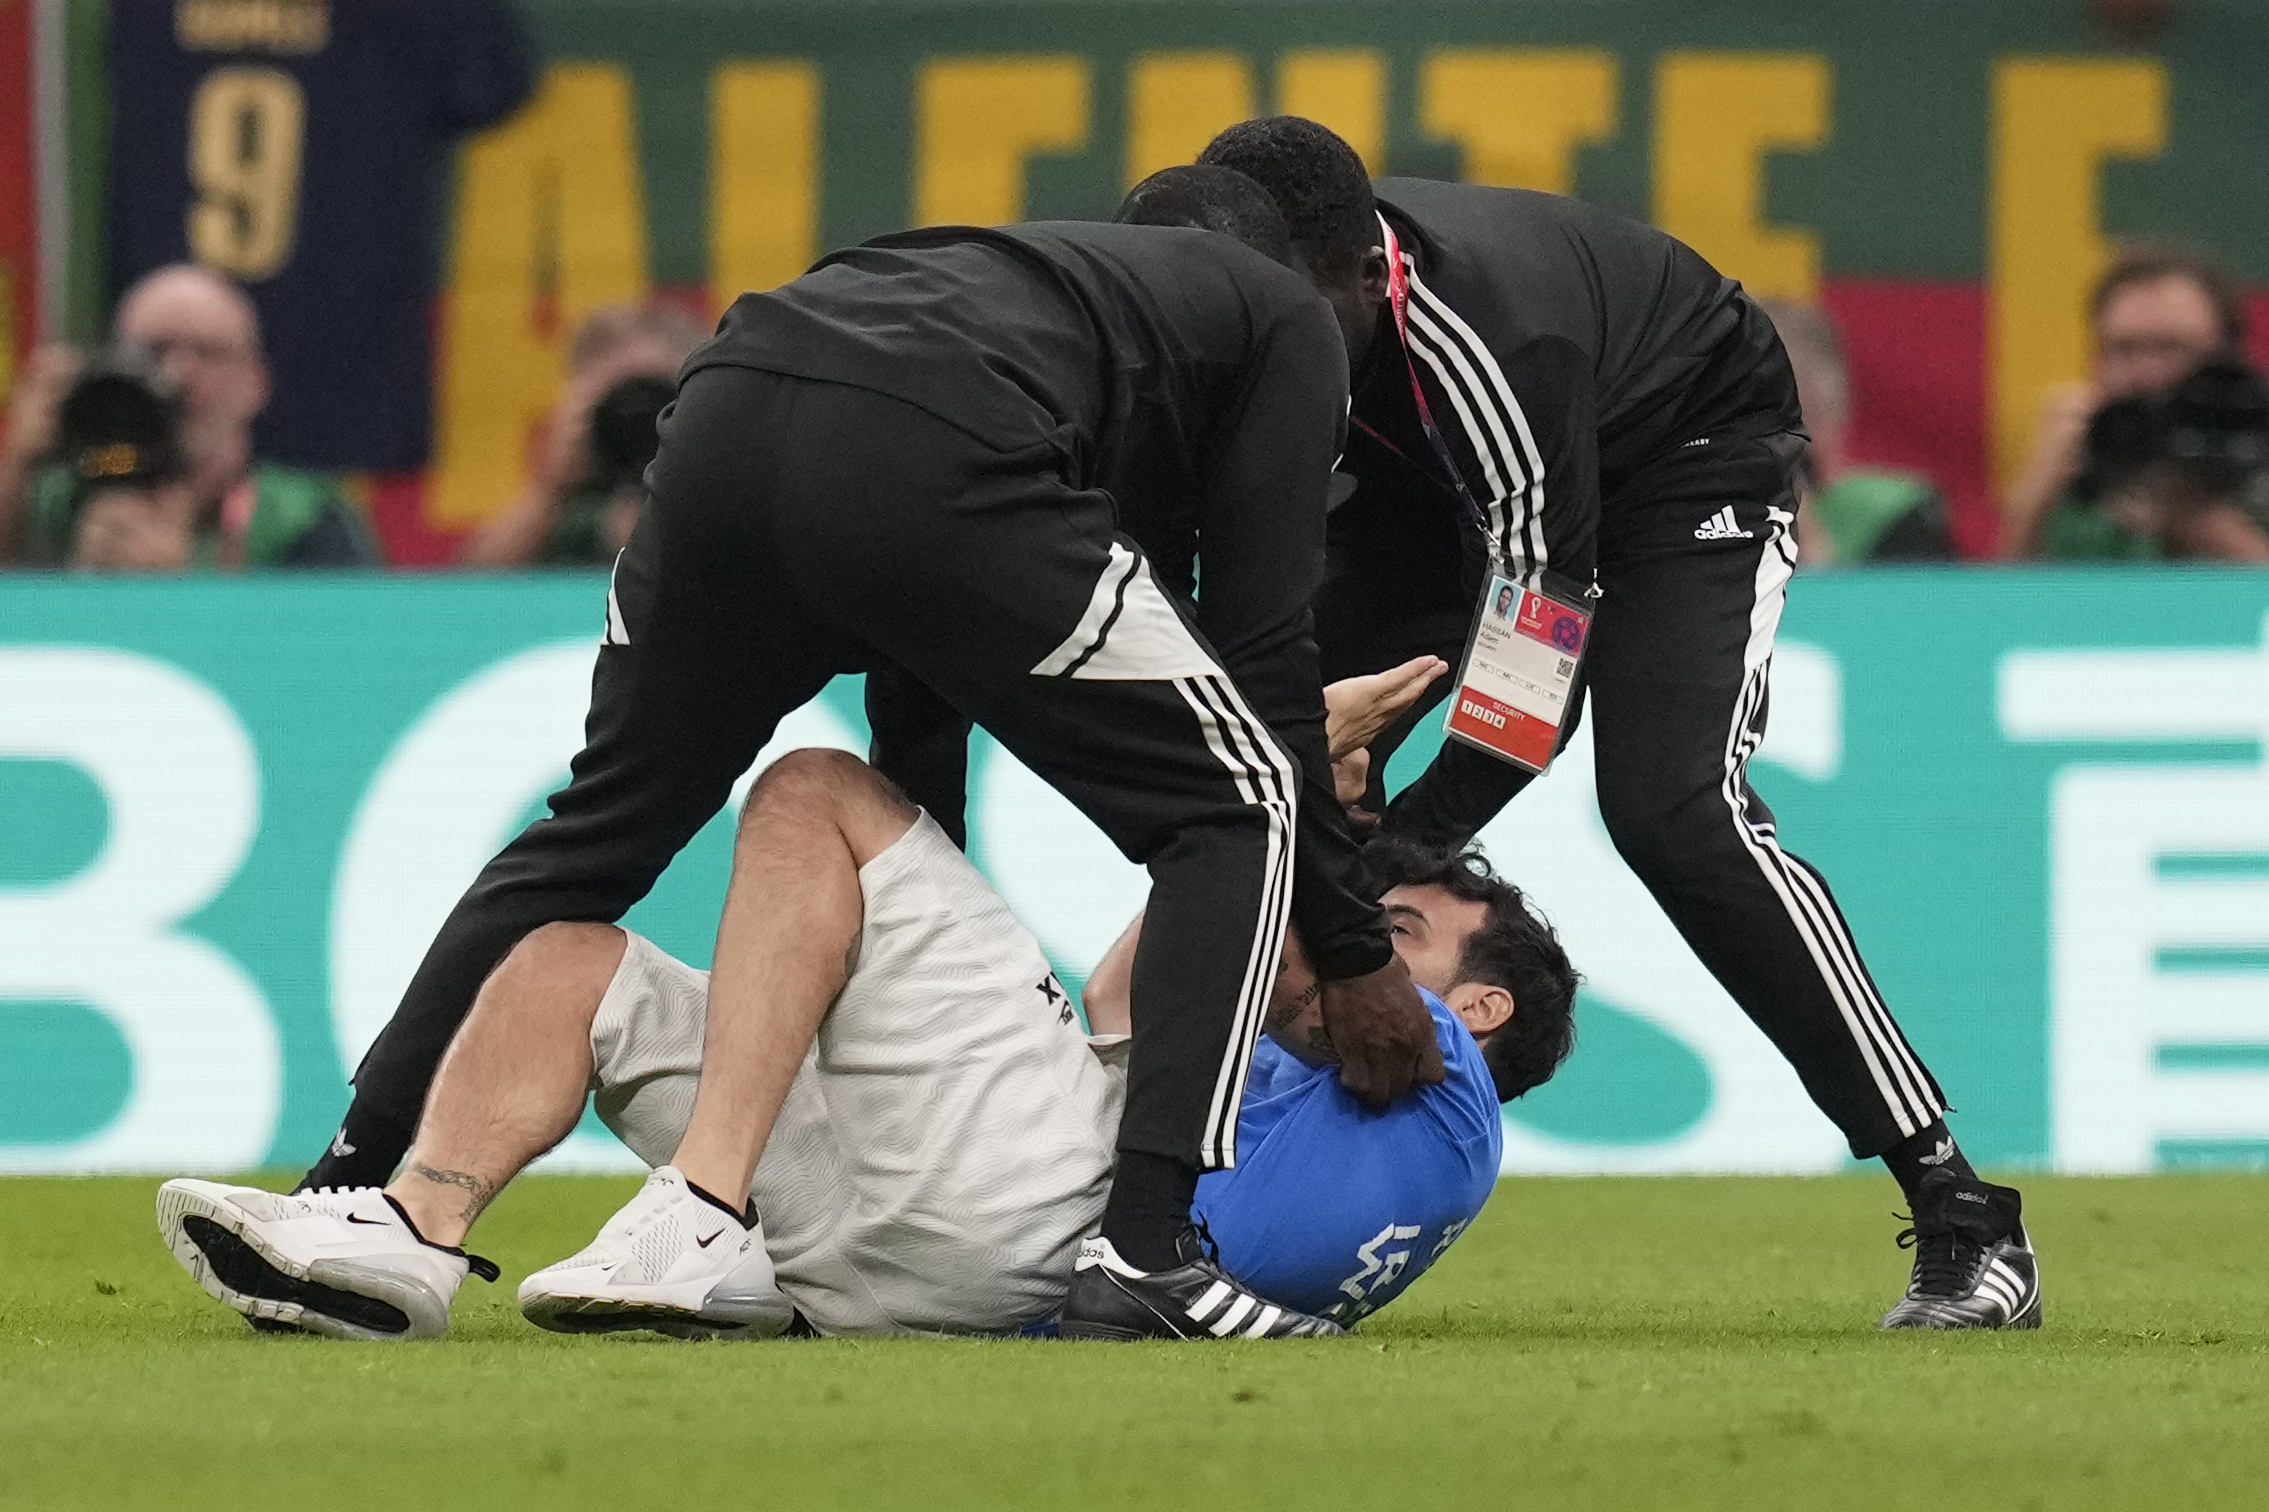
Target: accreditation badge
{"points": [[1519, 677]]}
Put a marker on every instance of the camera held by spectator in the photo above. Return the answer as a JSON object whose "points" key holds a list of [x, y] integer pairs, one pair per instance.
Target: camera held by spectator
{"points": [[623, 434], [2188, 468], [139, 457], [118, 435]]}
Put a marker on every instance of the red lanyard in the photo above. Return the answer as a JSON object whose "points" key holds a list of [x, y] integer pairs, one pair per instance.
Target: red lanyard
{"points": [[1398, 300]]}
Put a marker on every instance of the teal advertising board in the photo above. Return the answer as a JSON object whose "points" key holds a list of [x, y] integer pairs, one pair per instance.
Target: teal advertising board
{"points": [[232, 814]]}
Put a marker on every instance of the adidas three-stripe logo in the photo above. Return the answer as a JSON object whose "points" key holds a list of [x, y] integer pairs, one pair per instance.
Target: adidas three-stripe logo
{"points": [[1233, 1318], [2001, 1283], [1721, 527]]}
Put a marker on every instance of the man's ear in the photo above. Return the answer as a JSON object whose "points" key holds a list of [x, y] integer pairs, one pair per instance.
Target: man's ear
{"points": [[1482, 1007], [1372, 273]]}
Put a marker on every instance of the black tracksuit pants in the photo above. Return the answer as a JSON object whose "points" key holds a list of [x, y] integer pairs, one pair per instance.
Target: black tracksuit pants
{"points": [[1676, 683], [804, 529]]}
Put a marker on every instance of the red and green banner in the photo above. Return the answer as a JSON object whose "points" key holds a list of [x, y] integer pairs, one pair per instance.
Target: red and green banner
{"points": [[1947, 178]]}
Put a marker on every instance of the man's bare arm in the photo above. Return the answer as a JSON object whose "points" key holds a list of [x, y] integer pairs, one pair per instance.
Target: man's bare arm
{"points": [[1108, 997], [1294, 1018]]}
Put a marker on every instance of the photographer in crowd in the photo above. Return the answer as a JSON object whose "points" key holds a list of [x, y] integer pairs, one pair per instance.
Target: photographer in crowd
{"points": [[2165, 453], [589, 486], [139, 457]]}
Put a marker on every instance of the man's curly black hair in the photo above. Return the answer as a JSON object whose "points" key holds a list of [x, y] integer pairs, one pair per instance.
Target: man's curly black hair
{"points": [[1316, 179], [1514, 949], [1211, 199]]}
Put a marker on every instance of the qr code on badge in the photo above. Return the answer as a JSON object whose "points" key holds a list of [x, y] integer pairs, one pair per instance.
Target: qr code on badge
{"points": [[1567, 667]]}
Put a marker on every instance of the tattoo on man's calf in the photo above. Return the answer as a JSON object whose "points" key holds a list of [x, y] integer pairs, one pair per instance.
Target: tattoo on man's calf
{"points": [[478, 1193]]}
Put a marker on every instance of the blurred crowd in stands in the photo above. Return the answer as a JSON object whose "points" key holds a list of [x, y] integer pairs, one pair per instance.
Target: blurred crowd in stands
{"points": [[2162, 455], [140, 456]]}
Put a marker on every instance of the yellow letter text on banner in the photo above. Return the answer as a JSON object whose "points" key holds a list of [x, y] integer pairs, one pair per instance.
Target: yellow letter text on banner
{"points": [[1345, 89], [551, 225], [1177, 102], [2055, 122], [979, 120], [763, 176], [1519, 114], [1716, 117]]}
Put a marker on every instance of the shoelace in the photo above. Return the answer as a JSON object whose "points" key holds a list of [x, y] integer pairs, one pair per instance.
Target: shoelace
{"points": [[1946, 1260]]}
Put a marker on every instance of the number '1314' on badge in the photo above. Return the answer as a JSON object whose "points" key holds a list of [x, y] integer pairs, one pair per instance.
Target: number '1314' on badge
{"points": [[1520, 674]]}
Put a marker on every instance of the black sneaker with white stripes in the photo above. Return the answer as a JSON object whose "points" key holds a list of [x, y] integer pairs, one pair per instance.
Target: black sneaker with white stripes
{"points": [[1112, 1300], [1973, 1265]]}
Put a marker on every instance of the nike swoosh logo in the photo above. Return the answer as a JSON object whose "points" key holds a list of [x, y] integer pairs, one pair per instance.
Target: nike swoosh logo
{"points": [[358, 1218], [712, 1239]]}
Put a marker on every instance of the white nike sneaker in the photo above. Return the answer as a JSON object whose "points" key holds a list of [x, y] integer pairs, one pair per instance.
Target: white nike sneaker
{"points": [[342, 1262], [669, 1261]]}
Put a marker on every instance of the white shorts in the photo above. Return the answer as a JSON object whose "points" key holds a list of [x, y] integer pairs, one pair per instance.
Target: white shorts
{"points": [[949, 1140]]}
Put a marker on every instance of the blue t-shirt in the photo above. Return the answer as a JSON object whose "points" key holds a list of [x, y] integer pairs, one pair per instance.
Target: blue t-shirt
{"points": [[1333, 1208], [302, 147]]}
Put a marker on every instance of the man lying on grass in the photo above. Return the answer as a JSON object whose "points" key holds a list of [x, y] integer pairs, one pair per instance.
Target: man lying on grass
{"points": [[944, 1131]]}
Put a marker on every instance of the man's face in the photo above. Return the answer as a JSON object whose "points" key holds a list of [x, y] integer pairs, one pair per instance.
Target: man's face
{"points": [[2152, 333], [204, 335], [1430, 928]]}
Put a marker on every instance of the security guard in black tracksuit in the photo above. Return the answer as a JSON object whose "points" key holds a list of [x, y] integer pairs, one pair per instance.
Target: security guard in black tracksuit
{"points": [[1558, 396], [957, 452], [1562, 396]]}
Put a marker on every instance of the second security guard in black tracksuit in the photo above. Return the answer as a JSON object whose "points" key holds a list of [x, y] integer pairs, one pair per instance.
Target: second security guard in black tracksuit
{"points": [[1540, 388], [954, 451]]}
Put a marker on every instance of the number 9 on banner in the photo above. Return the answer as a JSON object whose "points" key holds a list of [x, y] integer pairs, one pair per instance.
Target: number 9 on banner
{"points": [[247, 127]]}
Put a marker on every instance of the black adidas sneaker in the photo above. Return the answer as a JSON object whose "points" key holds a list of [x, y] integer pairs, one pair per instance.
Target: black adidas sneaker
{"points": [[1110, 1299], [1973, 1265]]}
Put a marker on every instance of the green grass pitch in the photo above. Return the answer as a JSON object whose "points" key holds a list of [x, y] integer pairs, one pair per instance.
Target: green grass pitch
{"points": [[1613, 1344]]}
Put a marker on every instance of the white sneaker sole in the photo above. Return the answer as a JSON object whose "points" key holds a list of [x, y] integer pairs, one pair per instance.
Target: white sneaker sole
{"points": [[224, 1252], [659, 1309]]}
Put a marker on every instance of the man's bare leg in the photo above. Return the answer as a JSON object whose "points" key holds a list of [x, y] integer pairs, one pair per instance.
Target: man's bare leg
{"points": [[792, 919], [513, 1082], [341, 1261]]}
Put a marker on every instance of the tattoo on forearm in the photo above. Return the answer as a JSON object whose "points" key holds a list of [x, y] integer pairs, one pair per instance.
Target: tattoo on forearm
{"points": [[1319, 1042], [478, 1193], [1284, 1010]]}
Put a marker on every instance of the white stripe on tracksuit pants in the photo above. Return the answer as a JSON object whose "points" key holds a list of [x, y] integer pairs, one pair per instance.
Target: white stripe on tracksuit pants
{"points": [[1267, 779], [1131, 633], [1677, 677], [1905, 1087]]}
